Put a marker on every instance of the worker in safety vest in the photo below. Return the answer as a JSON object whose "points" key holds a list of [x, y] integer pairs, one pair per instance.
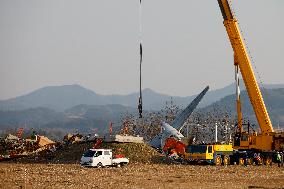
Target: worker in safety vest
{"points": [[282, 160], [279, 159]]}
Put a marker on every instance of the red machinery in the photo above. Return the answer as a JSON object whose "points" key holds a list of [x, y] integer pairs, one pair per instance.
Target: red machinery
{"points": [[174, 146]]}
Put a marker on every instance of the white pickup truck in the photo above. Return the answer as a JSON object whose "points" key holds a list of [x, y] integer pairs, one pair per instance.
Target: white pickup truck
{"points": [[101, 158]]}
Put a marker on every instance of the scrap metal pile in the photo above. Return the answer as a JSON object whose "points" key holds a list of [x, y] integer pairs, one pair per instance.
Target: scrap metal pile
{"points": [[70, 149], [15, 147]]}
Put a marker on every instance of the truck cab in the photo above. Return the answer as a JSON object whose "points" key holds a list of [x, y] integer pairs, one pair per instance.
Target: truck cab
{"points": [[212, 153], [97, 157]]}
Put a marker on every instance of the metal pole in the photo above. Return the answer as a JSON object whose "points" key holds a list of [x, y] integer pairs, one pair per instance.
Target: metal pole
{"points": [[216, 132], [187, 131]]}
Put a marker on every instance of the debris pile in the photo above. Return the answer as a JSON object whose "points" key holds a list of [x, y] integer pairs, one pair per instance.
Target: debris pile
{"points": [[15, 147], [70, 138], [136, 152]]}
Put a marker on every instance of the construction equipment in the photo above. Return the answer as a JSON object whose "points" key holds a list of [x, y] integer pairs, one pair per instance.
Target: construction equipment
{"points": [[216, 154], [267, 141]]}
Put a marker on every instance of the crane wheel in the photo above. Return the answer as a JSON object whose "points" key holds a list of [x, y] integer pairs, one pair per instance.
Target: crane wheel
{"points": [[249, 161], [218, 160], [259, 161], [226, 160], [268, 161], [241, 161]]}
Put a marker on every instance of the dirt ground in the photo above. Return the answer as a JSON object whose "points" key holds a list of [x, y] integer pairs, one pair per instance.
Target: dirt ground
{"points": [[21, 175]]}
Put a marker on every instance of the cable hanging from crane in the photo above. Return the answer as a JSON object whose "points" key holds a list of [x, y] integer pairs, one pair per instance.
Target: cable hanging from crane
{"points": [[259, 77], [140, 107]]}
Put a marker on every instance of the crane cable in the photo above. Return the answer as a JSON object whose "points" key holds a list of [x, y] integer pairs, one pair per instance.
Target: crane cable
{"points": [[140, 47], [266, 93]]}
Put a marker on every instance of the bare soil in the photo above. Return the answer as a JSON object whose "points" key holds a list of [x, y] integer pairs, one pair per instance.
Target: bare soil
{"points": [[138, 175]]}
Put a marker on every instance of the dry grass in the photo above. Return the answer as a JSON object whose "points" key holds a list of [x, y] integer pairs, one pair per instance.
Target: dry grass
{"points": [[18, 175], [146, 170]]}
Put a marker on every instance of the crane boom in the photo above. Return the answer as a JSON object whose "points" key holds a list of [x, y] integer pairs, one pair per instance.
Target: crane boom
{"points": [[244, 63]]}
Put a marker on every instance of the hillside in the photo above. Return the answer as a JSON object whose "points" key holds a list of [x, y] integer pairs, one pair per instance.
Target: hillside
{"points": [[81, 118], [58, 98], [61, 98], [34, 117], [90, 118], [273, 98]]}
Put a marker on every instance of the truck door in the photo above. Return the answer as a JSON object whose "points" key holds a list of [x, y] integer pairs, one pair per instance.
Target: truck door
{"points": [[209, 154], [107, 158], [98, 158]]}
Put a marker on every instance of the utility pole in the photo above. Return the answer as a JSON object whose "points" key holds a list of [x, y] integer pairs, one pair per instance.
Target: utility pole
{"points": [[216, 132]]}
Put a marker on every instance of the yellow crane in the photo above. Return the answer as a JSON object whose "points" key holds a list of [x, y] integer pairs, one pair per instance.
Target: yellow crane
{"points": [[267, 140]]}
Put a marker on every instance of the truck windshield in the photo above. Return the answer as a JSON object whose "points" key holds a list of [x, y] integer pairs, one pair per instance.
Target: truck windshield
{"points": [[196, 149], [89, 153]]}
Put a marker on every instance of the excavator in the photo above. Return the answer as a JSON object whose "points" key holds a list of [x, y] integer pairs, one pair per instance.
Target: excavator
{"points": [[248, 147]]}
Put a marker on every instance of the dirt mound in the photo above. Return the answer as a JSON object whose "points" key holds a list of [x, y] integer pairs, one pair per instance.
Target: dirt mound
{"points": [[136, 152]]}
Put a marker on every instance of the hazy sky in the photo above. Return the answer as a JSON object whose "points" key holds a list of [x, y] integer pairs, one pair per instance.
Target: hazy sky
{"points": [[94, 43]]}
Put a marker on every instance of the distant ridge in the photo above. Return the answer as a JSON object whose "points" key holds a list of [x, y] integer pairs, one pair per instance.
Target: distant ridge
{"points": [[89, 118], [61, 98], [81, 118], [273, 98], [57, 98]]}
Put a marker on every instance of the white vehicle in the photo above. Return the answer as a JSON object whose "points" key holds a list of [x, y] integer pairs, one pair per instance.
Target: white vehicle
{"points": [[101, 158]]}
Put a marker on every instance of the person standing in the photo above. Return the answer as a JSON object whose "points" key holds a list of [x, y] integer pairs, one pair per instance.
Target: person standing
{"points": [[278, 159], [282, 155]]}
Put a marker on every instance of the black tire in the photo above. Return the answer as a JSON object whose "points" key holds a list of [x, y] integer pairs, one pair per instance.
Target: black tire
{"points": [[268, 161], [226, 160], [100, 165], [218, 160], [241, 161], [249, 161]]}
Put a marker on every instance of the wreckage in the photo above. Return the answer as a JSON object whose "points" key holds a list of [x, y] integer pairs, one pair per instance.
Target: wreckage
{"points": [[174, 130], [15, 147]]}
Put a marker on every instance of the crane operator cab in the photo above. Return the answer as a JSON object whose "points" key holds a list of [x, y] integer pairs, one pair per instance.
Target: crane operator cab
{"points": [[241, 139]]}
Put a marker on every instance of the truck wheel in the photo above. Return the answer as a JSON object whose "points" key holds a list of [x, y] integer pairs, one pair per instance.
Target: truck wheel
{"points": [[226, 160], [118, 165], [218, 160], [241, 161], [100, 165]]}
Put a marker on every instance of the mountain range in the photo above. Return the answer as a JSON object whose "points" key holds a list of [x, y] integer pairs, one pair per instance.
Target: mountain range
{"points": [[72, 108], [61, 98], [274, 102]]}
